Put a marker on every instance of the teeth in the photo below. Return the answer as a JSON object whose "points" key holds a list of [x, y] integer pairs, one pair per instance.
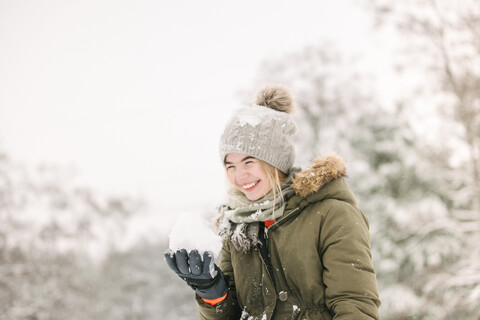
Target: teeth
{"points": [[247, 186]]}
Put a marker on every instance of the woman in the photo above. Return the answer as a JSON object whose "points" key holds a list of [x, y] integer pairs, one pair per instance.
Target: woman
{"points": [[296, 246]]}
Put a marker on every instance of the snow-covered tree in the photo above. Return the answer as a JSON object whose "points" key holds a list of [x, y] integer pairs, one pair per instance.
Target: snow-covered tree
{"points": [[50, 229], [440, 39], [440, 43]]}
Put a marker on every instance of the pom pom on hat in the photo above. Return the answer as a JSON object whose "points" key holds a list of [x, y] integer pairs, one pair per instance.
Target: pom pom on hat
{"points": [[263, 130], [275, 97]]}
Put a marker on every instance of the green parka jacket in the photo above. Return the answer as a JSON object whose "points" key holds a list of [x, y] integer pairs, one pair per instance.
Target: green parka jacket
{"points": [[320, 253]]}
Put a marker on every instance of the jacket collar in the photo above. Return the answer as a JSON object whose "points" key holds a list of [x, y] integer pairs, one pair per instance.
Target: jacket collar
{"points": [[310, 186], [323, 170]]}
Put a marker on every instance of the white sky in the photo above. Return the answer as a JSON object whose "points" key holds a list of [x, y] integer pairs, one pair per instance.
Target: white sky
{"points": [[135, 93]]}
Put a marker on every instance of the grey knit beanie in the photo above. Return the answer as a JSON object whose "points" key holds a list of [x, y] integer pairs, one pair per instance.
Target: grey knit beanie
{"points": [[263, 130]]}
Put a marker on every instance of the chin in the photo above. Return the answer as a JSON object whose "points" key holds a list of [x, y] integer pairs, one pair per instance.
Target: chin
{"points": [[254, 197]]}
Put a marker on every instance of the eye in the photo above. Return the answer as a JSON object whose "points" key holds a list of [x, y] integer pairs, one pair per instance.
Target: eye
{"points": [[229, 167]]}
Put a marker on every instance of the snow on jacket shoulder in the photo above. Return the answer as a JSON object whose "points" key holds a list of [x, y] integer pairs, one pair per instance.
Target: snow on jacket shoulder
{"points": [[320, 253]]}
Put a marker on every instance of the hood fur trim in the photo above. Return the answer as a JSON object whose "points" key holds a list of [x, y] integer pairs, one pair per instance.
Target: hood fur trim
{"points": [[323, 170]]}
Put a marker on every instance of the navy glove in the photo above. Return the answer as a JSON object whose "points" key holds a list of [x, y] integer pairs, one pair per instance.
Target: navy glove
{"points": [[205, 277]]}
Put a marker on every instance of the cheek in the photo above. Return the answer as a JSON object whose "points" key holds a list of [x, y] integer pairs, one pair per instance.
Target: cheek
{"points": [[231, 177], [261, 174], [266, 181], [268, 185]]}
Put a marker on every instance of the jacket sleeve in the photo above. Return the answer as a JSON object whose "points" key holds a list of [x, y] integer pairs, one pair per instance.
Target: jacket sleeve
{"points": [[228, 308], [351, 287]]}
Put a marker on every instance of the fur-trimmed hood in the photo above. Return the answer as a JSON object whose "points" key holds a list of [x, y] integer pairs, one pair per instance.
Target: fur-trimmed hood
{"points": [[323, 170]]}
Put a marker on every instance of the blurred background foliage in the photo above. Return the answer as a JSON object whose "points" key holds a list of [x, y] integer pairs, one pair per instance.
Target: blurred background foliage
{"points": [[414, 165]]}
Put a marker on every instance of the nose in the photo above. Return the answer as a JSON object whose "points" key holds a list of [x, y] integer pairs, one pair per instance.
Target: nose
{"points": [[242, 174]]}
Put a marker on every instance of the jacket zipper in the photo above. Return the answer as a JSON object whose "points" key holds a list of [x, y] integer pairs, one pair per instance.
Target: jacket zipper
{"points": [[276, 222]]}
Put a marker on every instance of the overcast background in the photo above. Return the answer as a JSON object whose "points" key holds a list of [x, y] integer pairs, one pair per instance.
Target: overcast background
{"points": [[132, 95]]}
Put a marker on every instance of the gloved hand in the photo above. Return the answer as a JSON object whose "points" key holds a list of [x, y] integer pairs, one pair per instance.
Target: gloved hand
{"points": [[205, 277]]}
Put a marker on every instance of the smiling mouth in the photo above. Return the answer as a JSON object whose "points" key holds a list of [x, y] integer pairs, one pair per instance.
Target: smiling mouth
{"points": [[250, 185]]}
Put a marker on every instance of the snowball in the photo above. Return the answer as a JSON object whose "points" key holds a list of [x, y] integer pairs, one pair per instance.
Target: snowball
{"points": [[194, 231]]}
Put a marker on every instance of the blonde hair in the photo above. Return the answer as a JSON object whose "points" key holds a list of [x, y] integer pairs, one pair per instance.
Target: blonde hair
{"points": [[275, 176]]}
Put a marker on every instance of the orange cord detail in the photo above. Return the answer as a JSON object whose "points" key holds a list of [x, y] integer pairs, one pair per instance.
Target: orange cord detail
{"points": [[213, 302]]}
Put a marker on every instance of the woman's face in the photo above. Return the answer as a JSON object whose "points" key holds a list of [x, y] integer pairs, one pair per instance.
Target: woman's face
{"points": [[245, 174]]}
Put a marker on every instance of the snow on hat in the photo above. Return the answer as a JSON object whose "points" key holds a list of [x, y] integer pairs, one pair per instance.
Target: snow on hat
{"points": [[263, 130]]}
